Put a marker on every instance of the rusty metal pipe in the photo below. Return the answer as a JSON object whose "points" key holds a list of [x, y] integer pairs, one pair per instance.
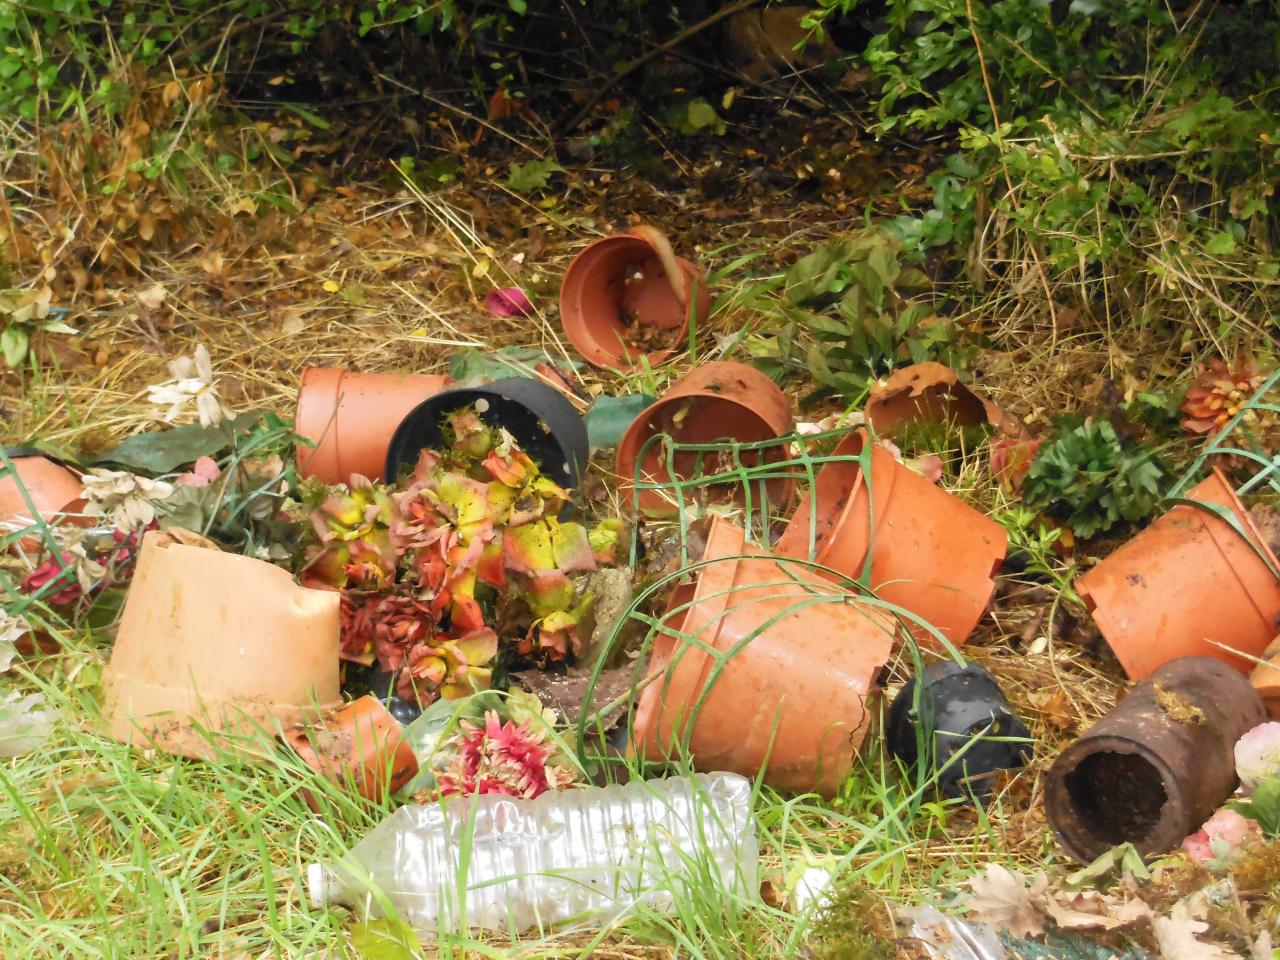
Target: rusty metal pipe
{"points": [[1154, 768]]}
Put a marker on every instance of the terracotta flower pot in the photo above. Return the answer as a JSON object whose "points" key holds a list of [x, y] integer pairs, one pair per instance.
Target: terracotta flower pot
{"points": [[1266, 679], [360, 745], [930, 392], [811, 669], [54, 489], [1154, 768], [210, 641], [713, 402], [618, 297], [351, 417], [931, 553], [543, 421], [1187, 580]]}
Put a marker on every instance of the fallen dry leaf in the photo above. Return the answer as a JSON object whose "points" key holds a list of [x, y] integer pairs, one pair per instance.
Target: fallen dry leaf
{"points": [[152, 297], [1004, 900], [1091, 910], [1177, 938]]}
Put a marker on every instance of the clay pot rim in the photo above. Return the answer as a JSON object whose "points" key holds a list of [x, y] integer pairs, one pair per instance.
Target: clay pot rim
{"points": [[1126, 746], [859, 438], [324, 382], [642, 436], [27, 453], [710, 610], [1252, 534], [578, 326]]}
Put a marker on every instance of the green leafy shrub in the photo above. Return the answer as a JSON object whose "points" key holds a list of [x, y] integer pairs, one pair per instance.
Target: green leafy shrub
{"points": [[1089, 478], [850, 319]]}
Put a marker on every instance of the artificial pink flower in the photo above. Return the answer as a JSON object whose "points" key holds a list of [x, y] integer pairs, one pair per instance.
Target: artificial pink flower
{"points": [[1227, 830], [501, 758], [1258, 755], [508, 302], [49, 571], [203, 472]]}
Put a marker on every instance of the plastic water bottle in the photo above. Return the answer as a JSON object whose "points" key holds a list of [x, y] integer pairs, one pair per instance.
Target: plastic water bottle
{"points": [[569, 856]]}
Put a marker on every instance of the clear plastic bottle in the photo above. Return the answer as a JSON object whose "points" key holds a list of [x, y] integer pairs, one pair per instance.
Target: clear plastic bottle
{"points": [[569, 856]]}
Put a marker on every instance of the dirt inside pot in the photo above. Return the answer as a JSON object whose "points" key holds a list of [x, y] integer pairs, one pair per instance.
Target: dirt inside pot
{"points": [[1118, 797]]}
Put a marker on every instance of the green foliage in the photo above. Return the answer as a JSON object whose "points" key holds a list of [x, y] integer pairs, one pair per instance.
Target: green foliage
{"points": [[22, 313], [1087, 477], [388, 938], [850, 300], [532, 176], [1263, 806], [694, 117], [163, 451]]}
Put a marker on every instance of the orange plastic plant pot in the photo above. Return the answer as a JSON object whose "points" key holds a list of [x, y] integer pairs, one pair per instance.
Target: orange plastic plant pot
{"points": [[618, 284], [1185, 584], [361, 745], [796, 696], [714, 402], [351, 418], [1266, 679], [931, 553], [211, 642], [54, 491]]}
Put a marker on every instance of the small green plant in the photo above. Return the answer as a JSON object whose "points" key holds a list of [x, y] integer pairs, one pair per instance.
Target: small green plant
{"points": [[1087, 477], [850, 301], [532, 176], [22, 313], [694, 117]]}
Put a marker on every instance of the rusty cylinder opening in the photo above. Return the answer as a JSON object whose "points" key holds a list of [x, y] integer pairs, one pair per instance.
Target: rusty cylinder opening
{"points": [[1117, 797]]}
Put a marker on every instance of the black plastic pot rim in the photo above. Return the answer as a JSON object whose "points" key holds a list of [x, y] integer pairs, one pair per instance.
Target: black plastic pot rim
{"points": [[553, 413]]}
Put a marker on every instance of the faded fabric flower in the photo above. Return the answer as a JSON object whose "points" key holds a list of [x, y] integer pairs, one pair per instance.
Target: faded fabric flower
{"points": [[12, 629], [1222, 837], [1258, 755], [503, 758], [192, 381], [129, 501], [508, 302], [203, 472], [50, 570]]}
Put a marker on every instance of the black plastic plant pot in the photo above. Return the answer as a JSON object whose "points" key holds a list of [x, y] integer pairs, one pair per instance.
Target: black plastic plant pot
{"points": [[541, 419], [956, 705]]}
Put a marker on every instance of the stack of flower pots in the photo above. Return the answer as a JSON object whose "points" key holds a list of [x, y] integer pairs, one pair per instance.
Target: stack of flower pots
{"points": [[760, 665], [924, 550]]}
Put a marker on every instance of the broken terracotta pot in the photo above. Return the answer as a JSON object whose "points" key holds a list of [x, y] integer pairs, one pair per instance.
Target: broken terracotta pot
{"points": [[361, 746], [1157, 766], [931, 553], [713, 402], [214, 643], [54, 489], [629, 297], [1266, 679], [351, 418], [796, 695], [1185, 581], [930, 392]]}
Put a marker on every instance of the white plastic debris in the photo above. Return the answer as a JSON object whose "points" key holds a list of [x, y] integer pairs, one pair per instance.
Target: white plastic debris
{"points": [[950, 938], [12, 629], [24, 724]]}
